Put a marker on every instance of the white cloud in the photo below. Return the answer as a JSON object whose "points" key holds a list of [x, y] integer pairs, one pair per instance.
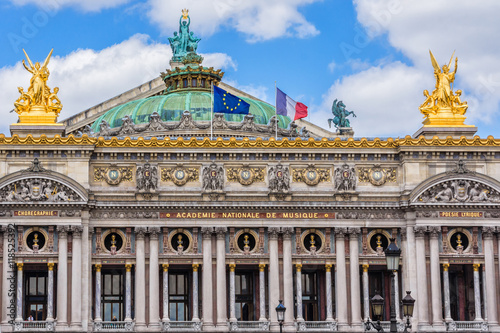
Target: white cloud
{"points": [[258, 19], [394, 90], [332, 66], [85, 5], [88, 77]]}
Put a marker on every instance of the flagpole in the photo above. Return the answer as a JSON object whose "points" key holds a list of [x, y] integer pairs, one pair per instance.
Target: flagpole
{"points": [[212, 110], [276, 108]]}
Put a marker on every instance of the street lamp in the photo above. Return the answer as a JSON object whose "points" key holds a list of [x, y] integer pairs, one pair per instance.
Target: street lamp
{"points": [[408, 304], [280, 312], [392, 254], [377, 309]]}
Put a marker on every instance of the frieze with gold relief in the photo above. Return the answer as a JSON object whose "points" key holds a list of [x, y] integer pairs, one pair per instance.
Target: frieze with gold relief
{"points": [[377, 175], [310, 175], [113, 174], [245, 175], [180, 175]]}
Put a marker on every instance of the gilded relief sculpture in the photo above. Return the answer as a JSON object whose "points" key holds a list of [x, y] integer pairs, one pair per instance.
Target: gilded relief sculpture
{"points": [[443, 107], [38, 105]]}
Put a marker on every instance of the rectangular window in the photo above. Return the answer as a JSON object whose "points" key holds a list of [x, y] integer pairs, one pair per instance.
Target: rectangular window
{"points": [[310, 299], [112, 295], [178, 295], [35, 295], [244, 296]]}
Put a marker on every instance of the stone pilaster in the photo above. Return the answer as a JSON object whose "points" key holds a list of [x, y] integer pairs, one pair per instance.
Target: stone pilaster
{"points": [[274, 274], [207, 290], [356, 319], [140, 277], [221, 277], [288, 275], [154, 279], [76, 277], [422, 300], [62, 276], [341, 278], [489, 269], [437, 317]]}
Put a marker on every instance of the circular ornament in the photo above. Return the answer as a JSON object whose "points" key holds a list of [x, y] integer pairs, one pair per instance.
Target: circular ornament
{"points": [[113, 242], [377, 176], [246, 242], [311, 177], [246, 176], [113, 176], [35, 238], [179, 176]]}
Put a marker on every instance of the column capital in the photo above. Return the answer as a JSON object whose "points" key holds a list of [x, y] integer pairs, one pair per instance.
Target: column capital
{"points": [[402, 232], [287, 232], [77, 231], [476, 267], [232, 267], [50, 266], [140, 232], [420, 231], [328, 267], [365, 268], [340, 232], [354, 232], [298, 267], [20, 266], [488, 232], [221, 232], [262, 267], [128, 267], [446, 266], [207, 232], [154, 232], [195, 267], [98, 267], [62, 231], [434, 231], [273, 232]]}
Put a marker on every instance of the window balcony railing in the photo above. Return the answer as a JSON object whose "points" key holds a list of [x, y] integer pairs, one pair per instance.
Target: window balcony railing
{"points": [[467, 326], [181, 326], [316, 326], [34, 326], [386, 325], [249, 326], [114, 326]]}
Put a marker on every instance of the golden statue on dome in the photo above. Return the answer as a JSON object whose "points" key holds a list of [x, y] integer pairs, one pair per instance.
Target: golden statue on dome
{"points": [[443, 108], [38, 105]]}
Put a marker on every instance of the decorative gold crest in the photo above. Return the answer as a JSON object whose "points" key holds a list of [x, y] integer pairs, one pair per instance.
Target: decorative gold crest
{"points": [[376, 175], [310, 175], [113, 174], [245, 175], [179, 175]]}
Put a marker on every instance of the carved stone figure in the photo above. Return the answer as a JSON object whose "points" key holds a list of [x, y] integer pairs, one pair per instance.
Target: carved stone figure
{"points": [[213, 178], [37, 189], [460, 190], [279, 179], [147, 177], [345, 178]]}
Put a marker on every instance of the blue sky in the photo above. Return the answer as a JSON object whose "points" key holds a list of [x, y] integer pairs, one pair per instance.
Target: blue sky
{"points": [[373, 54]]}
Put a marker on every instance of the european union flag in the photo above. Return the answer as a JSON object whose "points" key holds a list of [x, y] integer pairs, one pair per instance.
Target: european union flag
{"points": [[225, 102]]}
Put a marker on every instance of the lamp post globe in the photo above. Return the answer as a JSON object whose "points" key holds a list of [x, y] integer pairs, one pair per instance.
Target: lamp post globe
{"points": [[392, 255], [280, 313]]}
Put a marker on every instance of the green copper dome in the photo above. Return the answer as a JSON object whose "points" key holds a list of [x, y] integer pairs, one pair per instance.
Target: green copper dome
{"points": [[171, 106]]}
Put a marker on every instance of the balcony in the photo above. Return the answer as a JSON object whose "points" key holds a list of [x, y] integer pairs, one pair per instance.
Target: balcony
{"points": [[467, 326], [181, 326], [316, 326], [249, 326], [34, 326], [114, 326], [386, 325]]}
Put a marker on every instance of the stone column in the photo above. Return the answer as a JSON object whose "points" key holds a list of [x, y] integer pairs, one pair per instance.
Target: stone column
{"points": [[298, 285], [341, 279], [6, 273], [262, 292], [154, 278], [97, 298], [366, 292], [329, 296], [208, 320], [477, 293], [396, 295], [19, 292], [62, 277], [356, 319], [437, 318], [196, 315], [232, 293], [85, 267], [422, 300], [140, 277], [50, 292], [166, 316], [489, 269], [76, 278], [409, 264], [288, 275], [446, 291], [221, 277], [128, 292], [274, 274], [485, 291]]}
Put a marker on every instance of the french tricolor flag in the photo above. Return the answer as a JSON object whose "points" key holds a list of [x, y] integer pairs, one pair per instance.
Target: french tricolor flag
{"points": [[285, 106]]}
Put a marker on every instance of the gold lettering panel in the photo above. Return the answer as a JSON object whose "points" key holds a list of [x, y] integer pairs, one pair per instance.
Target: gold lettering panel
{"points": [[113, 175], [376, 175], [245, 175], [310, 175], [180, 175]]}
